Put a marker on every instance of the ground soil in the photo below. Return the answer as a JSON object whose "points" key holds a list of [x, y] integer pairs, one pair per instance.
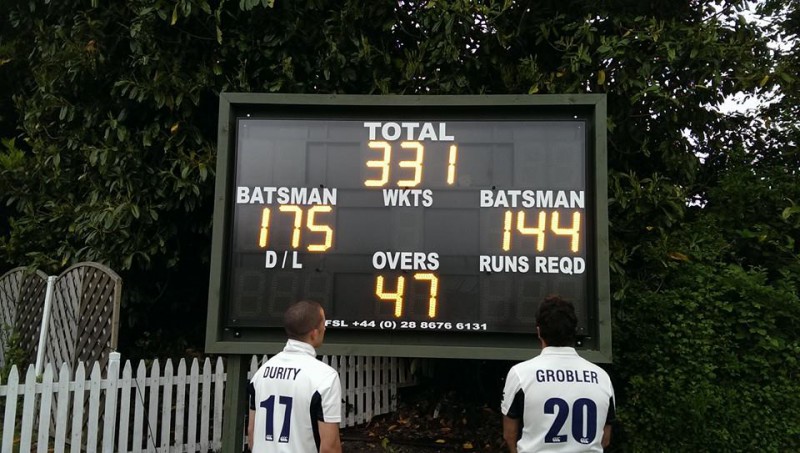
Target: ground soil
{"points": [[410, 432], [462, 415]]}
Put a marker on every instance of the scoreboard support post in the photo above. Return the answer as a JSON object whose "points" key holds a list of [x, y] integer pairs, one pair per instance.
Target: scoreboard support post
{"points": [[234, 409]]}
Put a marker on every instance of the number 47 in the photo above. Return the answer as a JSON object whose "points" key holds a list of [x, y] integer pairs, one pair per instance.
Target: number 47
{"points": [[398, 297]]}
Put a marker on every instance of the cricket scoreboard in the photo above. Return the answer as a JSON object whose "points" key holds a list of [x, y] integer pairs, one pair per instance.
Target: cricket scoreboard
{"points": [[429, 226]]}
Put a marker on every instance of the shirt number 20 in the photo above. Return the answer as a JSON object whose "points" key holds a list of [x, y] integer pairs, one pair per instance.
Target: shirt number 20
{"points": [[584, 420]]}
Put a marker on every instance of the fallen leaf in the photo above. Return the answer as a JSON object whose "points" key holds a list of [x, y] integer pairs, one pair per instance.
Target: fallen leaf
{"points": [[468, 446], [678, 256], [440, 441]]}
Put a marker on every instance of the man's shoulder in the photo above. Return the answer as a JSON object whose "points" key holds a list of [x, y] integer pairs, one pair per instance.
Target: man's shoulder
{"points": [[283, 359], [532, 362], [326, 369], [271, 361], [318, 368], [593, 366], [549, 361]]}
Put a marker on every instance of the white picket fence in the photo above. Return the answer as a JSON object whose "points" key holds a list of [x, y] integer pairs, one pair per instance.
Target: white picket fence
{"points": [[168, 410]]}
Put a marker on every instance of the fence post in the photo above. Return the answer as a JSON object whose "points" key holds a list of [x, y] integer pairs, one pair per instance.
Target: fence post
{"points": [[235, 396], [110, 412], [48, 302]]}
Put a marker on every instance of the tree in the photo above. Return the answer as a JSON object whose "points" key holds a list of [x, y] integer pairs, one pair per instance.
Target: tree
{"points": [[112, 111]]}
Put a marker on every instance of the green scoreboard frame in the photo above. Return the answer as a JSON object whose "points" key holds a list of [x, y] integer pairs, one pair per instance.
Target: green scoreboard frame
{"points": [[377, 126]]}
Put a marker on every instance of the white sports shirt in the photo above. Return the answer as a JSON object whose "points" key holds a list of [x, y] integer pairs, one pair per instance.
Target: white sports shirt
{"points": [[562, 400], [290, 393]]}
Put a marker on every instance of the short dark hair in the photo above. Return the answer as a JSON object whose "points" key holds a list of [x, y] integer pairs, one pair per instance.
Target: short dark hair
{"points": [[557, 321], [301, 318]]}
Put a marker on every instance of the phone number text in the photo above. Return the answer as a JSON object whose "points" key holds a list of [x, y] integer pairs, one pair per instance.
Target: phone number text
{"points": [[406, 325]]}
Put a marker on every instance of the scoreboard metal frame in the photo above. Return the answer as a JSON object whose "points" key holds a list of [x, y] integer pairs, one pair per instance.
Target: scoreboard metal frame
{"points": [[224, 337]]}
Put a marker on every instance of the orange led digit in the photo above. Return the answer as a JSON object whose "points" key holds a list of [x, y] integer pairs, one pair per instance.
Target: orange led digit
{"points": [[507, 230], [382, 164], [263, 235], [298, 222], [451, 165], [434, 292], [416, 164], [396, 296], [573, 231], [319, 229], [538, 231]]}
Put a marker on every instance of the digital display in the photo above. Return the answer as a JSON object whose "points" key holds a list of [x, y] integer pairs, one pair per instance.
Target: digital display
{"points": [[406, 219]]}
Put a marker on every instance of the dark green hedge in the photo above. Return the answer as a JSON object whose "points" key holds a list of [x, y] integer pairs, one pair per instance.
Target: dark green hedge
{"points": [[108, 114]]}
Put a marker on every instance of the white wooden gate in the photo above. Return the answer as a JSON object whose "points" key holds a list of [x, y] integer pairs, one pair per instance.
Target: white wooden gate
{"points": [[82, 321]]}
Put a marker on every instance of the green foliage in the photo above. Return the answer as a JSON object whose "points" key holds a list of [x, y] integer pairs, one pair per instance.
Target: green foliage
{"points": [[104, 169], [13, 355], [119, 108], [711, 361], [111, 114]]}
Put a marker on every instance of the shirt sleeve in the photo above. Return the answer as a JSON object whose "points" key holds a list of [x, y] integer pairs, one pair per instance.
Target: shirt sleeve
{"points": [[510, 393], [611, 416], [612, 406], [331, 395]]}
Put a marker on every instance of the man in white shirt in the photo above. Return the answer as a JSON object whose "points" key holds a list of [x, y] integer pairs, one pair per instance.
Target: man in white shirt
{"points": [[557, 402], [295, 399]]}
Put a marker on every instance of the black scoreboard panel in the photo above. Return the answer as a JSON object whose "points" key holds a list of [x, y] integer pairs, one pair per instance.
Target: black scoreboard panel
{"points": [[409, 224]]}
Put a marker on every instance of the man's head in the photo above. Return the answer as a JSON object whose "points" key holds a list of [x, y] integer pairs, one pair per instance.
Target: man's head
{"points": [[305, 321], [556, 322]]}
